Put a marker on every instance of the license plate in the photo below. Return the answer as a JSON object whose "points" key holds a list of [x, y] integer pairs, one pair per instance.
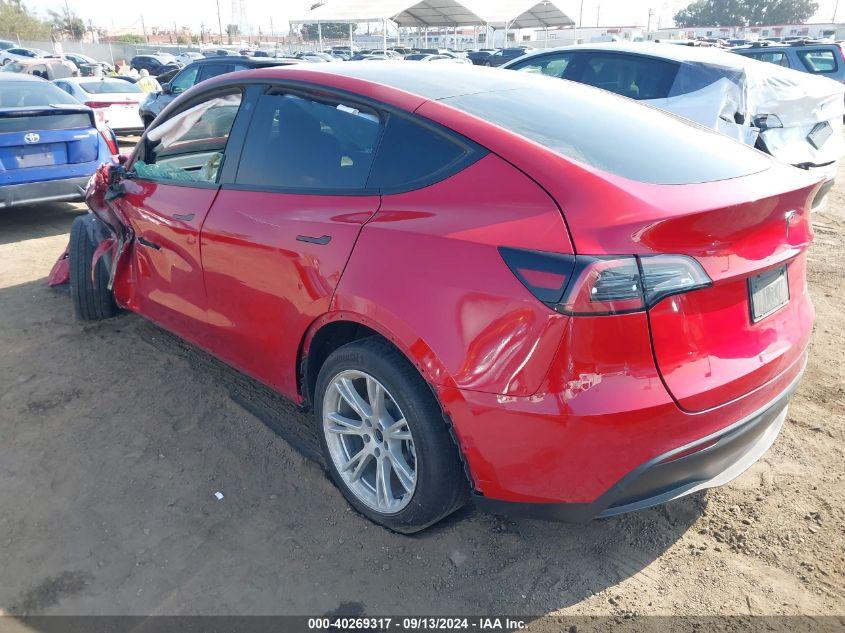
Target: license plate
{"points": [[768, 292], [35, 157], [819, 134]]}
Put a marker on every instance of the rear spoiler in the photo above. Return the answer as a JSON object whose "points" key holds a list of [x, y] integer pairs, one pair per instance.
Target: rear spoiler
{"points": [[64, 108]]}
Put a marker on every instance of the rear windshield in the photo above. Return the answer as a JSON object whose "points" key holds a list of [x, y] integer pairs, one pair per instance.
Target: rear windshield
{"points": [[44, 121], [612, 133], [106, 86], [15, 94]]}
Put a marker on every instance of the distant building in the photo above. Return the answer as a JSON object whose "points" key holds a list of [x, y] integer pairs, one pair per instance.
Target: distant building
{"points": [[813, 31], [589, 34]]}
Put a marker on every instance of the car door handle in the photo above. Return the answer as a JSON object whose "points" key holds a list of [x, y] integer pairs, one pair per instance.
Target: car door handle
{"points": [[322, 241], [148, 243], [183, 218]]}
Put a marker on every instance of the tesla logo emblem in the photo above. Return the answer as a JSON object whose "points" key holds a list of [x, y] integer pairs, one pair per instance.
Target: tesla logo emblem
{"points": [[32, 137], [788, 218]]}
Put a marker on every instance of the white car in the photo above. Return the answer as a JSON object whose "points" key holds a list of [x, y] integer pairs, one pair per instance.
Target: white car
{"points": [[115, 102], [16, 54], [188, 56], [796, 117], [423, 57]]}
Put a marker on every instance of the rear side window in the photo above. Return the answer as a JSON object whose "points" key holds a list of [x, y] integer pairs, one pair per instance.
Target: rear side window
{"points": [[818, 61], [299, 143], [213, 70], [601, 130], [414, 155], [549, 65], [773, 57], [631, 76]]}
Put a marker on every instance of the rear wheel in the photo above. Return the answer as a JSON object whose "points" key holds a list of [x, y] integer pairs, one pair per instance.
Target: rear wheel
{"points": [[92, 299], [386, 443]]}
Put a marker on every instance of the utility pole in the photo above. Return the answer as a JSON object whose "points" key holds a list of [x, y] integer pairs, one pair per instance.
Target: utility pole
{"points": [[648, 24], [144, 29], [598, 15], [580, 20], [219, 22], [67, 19], [835, 9]]}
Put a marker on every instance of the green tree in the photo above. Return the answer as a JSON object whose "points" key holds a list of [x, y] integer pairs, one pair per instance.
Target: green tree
{"points": [[331, 30], [745, 12], [17, 21], [67, 24], [129, 38]]}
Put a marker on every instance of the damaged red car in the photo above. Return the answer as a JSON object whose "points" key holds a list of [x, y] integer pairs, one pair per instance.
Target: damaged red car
{"points": [[539, 295]]}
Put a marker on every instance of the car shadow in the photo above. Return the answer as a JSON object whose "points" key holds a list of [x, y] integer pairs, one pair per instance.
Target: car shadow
{"points": [[148, 427], [34, 221]]}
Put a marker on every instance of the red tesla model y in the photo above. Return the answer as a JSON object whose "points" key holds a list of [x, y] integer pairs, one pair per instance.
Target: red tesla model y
{"points": [[485, 284]]}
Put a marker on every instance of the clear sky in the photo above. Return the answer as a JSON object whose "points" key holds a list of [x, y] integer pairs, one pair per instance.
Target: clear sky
{"points": [[193, 13]]}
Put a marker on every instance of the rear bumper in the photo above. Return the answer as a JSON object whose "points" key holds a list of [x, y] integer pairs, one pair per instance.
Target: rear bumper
{"points": [[65, 189], [710, 461]]}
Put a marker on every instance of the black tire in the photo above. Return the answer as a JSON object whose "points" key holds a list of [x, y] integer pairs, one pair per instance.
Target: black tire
{"points": [[92, 300], [441, 485]]}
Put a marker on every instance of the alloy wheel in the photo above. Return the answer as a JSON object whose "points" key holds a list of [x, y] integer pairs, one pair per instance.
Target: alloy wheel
{"points": [[369, 441]]}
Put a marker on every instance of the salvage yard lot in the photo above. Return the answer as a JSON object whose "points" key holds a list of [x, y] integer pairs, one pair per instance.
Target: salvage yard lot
{"points": [[115, 437]]}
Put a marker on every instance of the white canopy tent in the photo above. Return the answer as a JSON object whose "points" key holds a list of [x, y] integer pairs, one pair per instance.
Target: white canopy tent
{"points": [[523, 14], [419, 13]]}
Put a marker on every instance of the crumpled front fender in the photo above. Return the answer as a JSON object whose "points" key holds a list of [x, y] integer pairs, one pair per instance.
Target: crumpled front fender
{"points": [[108, 228]]}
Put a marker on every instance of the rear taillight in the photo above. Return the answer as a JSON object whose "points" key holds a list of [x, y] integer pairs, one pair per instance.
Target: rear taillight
{"points": [[666, 275], [111, 140], [581, 285], [99, 104]]}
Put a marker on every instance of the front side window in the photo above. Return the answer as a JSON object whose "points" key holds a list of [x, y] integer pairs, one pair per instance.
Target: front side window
{"points": [[630, 76], [189, 146], [301, 143], [184, 80], [818, 61], [550, 65]]}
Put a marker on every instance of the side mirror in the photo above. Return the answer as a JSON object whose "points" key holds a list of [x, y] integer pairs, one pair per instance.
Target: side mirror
{"points": [[166, 89]]}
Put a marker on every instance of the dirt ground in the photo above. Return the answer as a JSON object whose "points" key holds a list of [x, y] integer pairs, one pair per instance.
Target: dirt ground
{"points": [[114, 438]]}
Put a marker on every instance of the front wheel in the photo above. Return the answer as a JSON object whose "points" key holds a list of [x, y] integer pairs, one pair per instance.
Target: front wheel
{"points": [[386, 442], [92, 299]]}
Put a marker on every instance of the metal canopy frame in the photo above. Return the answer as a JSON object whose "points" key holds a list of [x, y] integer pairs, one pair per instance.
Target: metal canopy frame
{"points": [[438, 13], [526, 14], [542, 15], [421, 13]]}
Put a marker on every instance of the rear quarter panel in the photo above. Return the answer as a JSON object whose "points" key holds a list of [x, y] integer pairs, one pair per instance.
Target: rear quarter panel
{"points": [[427, 268]]}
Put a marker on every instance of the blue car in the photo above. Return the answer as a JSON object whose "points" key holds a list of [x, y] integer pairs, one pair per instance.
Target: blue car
{"points": [[49, 142]]}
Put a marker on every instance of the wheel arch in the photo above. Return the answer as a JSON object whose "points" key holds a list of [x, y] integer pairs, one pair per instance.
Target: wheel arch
{"points": [[334, 329]]}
